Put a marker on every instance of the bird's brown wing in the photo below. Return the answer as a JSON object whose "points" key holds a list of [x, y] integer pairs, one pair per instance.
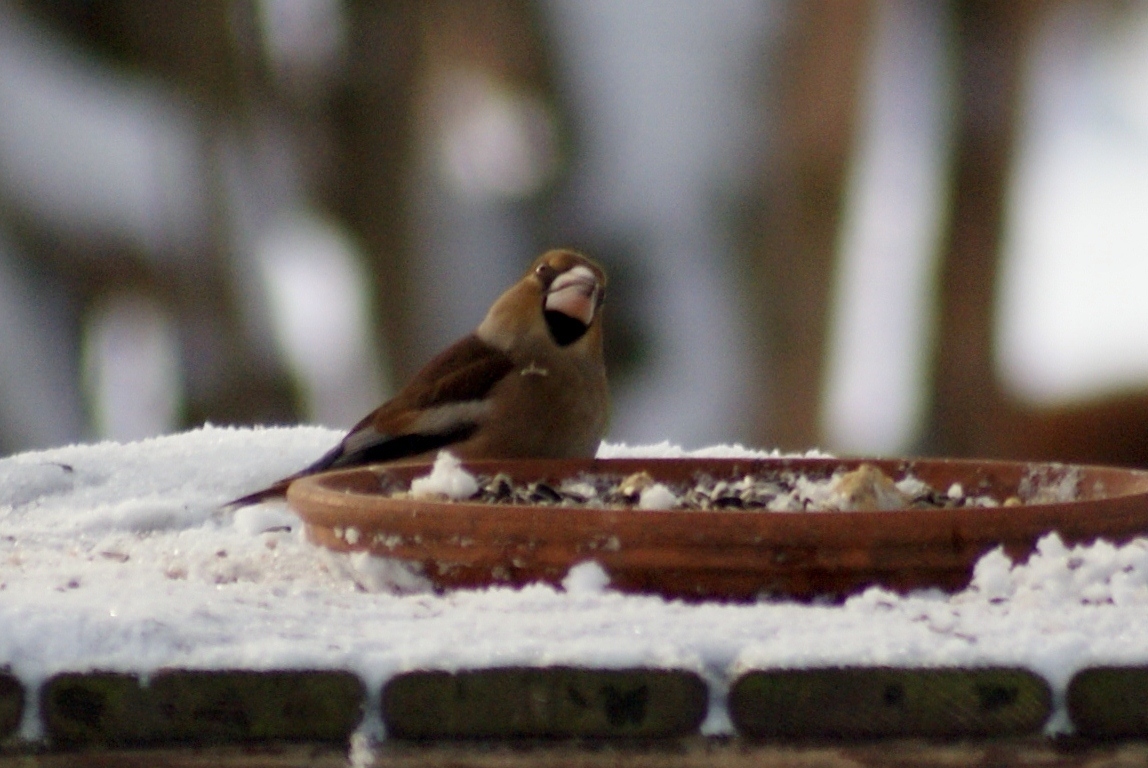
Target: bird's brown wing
{"points": [[437, 408], [463, 372]]}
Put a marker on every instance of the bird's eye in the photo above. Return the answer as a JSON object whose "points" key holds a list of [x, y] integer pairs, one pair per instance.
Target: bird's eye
{"points": [[546, 272]]}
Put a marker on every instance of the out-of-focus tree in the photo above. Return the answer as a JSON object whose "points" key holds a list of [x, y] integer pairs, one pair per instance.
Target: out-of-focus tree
{"points": [[819, 68]]}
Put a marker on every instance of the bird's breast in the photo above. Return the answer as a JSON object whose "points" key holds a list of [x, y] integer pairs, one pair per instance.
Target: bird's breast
{"points": [[547, 410]]}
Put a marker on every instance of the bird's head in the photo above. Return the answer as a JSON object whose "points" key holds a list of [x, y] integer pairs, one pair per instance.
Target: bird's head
{"points": [[573, 288], [562, 293]]}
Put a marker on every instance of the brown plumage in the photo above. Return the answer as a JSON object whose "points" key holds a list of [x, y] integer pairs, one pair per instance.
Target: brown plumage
{"points": [[528, 383]]}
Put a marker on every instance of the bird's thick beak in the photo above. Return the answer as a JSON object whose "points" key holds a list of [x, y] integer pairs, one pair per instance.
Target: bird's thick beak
{"points": [[574, 293]]}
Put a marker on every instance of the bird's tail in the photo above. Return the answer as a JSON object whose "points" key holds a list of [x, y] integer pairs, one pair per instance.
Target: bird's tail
{"points": [[278, 489]]}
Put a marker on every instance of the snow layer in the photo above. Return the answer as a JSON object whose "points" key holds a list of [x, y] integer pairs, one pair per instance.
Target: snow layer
{"points": [[447, 478], [118, 557]]}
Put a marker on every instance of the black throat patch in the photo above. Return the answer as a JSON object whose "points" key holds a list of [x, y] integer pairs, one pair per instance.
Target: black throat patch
{"points": [[565, 330]]}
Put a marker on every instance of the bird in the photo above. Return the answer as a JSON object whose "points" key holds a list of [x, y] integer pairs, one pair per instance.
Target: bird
{"points": [[528, 382]]}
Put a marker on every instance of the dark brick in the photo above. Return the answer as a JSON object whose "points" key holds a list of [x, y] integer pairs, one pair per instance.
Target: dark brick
{"points": [[884, 702], [11, 704], [1108, 702], [201, 707], [545, 702]]}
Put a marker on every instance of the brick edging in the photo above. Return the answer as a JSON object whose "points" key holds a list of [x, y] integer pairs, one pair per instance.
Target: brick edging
{"points": [[193, 706], [174, 706]]}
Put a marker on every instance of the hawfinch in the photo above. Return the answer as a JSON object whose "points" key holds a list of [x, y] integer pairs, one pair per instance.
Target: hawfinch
{"points": [[529, 382]]}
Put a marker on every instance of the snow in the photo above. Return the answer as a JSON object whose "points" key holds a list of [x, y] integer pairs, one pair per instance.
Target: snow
{"points": [[657, 496], [586, 578], [447, 478], [119, 557]]}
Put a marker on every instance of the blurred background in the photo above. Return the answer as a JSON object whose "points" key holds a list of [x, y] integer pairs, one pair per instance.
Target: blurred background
{"points": [[872, 226]]}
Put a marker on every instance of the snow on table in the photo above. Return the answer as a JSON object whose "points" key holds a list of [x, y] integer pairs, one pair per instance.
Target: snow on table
{"points": [[118, 557]]}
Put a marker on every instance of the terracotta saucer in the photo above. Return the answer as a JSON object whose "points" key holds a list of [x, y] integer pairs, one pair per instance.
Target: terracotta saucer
{"points": [[726, 555]]}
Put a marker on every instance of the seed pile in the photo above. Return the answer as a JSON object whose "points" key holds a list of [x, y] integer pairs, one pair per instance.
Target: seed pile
{"points": [[864, 488]]}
